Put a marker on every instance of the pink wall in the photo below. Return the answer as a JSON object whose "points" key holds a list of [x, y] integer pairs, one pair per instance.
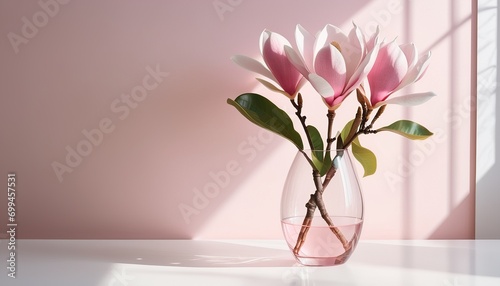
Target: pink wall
{"points": [[67, 73]]}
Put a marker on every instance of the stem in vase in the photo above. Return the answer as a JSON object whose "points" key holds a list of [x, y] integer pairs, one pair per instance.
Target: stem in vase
{"points": [[316, 199]]}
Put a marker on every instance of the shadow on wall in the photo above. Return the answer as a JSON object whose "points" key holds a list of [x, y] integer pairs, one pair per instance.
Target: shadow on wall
{"points": [[65, 79], [181, 141], [488, 126], [227, 147], [457, 196], [460, 201], [459, 224]]}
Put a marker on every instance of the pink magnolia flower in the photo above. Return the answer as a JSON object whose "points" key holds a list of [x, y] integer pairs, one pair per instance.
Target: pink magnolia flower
{"points": [[334, 63], [278, 67], [396, 67]]}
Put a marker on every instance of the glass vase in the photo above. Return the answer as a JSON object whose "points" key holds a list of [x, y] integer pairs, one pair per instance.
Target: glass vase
{"points": [[322, 227]]}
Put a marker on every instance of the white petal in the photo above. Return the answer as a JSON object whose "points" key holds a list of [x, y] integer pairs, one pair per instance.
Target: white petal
{"points": [[272, 87], [305, 45], [357, 38], [353, 50], [415, 73], [410, 51], [364, 68], [409, 100], [321, 39], [252, 65], [264, 36], [327, 35], [321, 85], [366, 88], [423, 64], [373, 40], [297, 61]]}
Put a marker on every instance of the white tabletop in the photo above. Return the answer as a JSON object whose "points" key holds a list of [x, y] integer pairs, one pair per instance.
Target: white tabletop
{"points": [[184, 262]]}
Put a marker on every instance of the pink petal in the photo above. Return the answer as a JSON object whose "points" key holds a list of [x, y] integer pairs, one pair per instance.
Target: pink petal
{"points": [[330, 65], [339, 99], [329, 102], [302, 82], [363, 69], [280, 66], [389, 69]]}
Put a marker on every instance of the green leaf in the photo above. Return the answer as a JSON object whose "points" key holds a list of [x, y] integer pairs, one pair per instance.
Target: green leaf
{"points": [[262, 112], [340, 142], [408, 129], [345, 131], [365, 157], [317, 141], [327, 163], [317, 146]]}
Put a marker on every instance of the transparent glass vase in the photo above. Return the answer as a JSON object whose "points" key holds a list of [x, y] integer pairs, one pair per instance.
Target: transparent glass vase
{"points": [[322, 236]]}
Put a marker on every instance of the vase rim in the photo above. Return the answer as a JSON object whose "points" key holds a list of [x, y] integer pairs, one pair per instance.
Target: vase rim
{"points": [[332, 149]]}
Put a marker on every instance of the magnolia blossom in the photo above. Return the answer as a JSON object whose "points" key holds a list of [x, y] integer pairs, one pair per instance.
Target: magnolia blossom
{"points": [[396, 67], [278, 67], [334, 63]]}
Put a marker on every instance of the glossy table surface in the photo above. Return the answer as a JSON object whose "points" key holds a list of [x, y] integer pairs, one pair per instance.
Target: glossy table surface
{"points": [[252, 262]]}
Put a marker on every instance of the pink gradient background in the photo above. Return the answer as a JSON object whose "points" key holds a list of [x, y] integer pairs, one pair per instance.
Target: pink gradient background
{"points": [[66, 77]]}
